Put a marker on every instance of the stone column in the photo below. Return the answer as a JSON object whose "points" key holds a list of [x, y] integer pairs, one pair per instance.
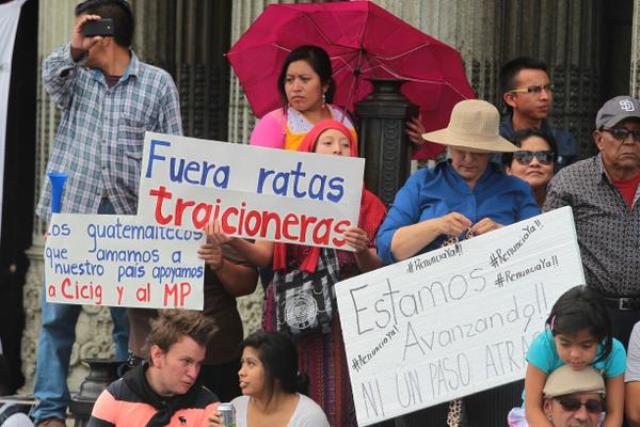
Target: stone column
{"points": [[382, 139]]}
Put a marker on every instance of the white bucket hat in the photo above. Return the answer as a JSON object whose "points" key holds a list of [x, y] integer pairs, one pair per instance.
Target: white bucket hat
{"points": [[473, 126]]}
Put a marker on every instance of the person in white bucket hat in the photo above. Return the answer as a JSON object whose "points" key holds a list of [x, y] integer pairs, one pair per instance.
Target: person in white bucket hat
{"points": [[465, 195]]}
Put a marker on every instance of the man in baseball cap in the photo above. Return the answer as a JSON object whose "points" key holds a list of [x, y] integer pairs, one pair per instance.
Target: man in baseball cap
{"points": [[574, 398], [603, 192], [617, 109]]}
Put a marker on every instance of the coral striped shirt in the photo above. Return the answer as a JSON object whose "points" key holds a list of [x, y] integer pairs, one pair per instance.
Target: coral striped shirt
{"points": [[119, 406]]}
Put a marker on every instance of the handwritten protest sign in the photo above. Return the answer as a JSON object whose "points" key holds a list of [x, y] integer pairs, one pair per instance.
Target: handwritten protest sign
{"points": [[258, 193], [122, 261], [457, 320]]}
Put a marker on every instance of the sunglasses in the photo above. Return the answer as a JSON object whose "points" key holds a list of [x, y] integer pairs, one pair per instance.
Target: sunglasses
{"points": [[572, 404], [621, 134], [533, 89], [525, 157]]}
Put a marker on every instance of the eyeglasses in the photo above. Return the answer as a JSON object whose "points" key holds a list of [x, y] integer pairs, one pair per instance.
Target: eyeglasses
{"points": [[525, 157], [537, 90], [572, 404], [621, 134]]}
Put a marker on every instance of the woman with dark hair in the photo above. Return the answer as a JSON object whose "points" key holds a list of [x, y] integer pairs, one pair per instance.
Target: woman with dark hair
{"points": [[534, 162], [272, 387], [306, 89]]}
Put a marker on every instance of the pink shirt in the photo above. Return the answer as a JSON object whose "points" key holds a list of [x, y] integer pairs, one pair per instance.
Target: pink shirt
{"points": [[277, 130]]}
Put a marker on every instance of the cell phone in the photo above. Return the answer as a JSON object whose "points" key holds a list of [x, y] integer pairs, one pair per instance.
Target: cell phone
{"points": [[102, 27]]}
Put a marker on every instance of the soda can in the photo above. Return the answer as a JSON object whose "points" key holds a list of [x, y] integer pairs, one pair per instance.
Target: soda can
{"points": [[228, 414]]}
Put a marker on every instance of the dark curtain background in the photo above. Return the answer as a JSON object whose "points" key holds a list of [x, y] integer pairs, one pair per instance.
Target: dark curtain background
{"points": [[17, 215]]}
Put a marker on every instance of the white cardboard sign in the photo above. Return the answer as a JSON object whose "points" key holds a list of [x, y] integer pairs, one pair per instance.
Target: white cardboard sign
{"points": [[115, 260], [457, 320], [254, 192], [150, 260]]}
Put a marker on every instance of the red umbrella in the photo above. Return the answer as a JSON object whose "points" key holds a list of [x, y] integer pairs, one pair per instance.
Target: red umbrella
{"points": [[364, 41]]}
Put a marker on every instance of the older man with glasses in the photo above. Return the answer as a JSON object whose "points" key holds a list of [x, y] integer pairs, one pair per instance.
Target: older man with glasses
{"points": [[574, 398], [528, 95], [603, 192]]}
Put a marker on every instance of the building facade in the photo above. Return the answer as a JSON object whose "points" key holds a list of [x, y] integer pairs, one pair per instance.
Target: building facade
{"points": [[592, 52]]}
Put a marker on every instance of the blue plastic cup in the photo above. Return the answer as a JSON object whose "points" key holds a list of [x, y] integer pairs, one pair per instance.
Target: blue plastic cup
{"points": [[57, 188]]}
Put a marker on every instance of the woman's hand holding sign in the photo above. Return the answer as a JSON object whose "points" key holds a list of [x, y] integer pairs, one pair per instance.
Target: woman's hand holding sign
{"points": [[366, 256], [411, 239], [484, 226], [453, 224], [211, 251], [236, 277], [357, 238]]}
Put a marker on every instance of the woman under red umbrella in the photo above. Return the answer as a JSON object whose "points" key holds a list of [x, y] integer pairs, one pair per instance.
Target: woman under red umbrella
{"points": [[306, 89], [364, 42]]}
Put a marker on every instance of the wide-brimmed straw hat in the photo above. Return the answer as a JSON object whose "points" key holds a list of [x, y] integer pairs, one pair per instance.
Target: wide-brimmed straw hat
{"points": [[473, 126]]}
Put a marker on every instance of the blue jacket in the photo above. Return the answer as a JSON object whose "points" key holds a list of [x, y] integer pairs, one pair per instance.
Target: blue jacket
{"points": [[565, 141], [432, 193]]}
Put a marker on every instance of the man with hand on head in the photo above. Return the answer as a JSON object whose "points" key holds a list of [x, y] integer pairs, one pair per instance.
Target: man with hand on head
{"points": [[163, 391], [574, 398], [108, 98]]}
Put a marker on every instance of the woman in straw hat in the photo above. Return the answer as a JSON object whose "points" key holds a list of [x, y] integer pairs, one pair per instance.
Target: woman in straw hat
{"points": [[465, 196]]}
